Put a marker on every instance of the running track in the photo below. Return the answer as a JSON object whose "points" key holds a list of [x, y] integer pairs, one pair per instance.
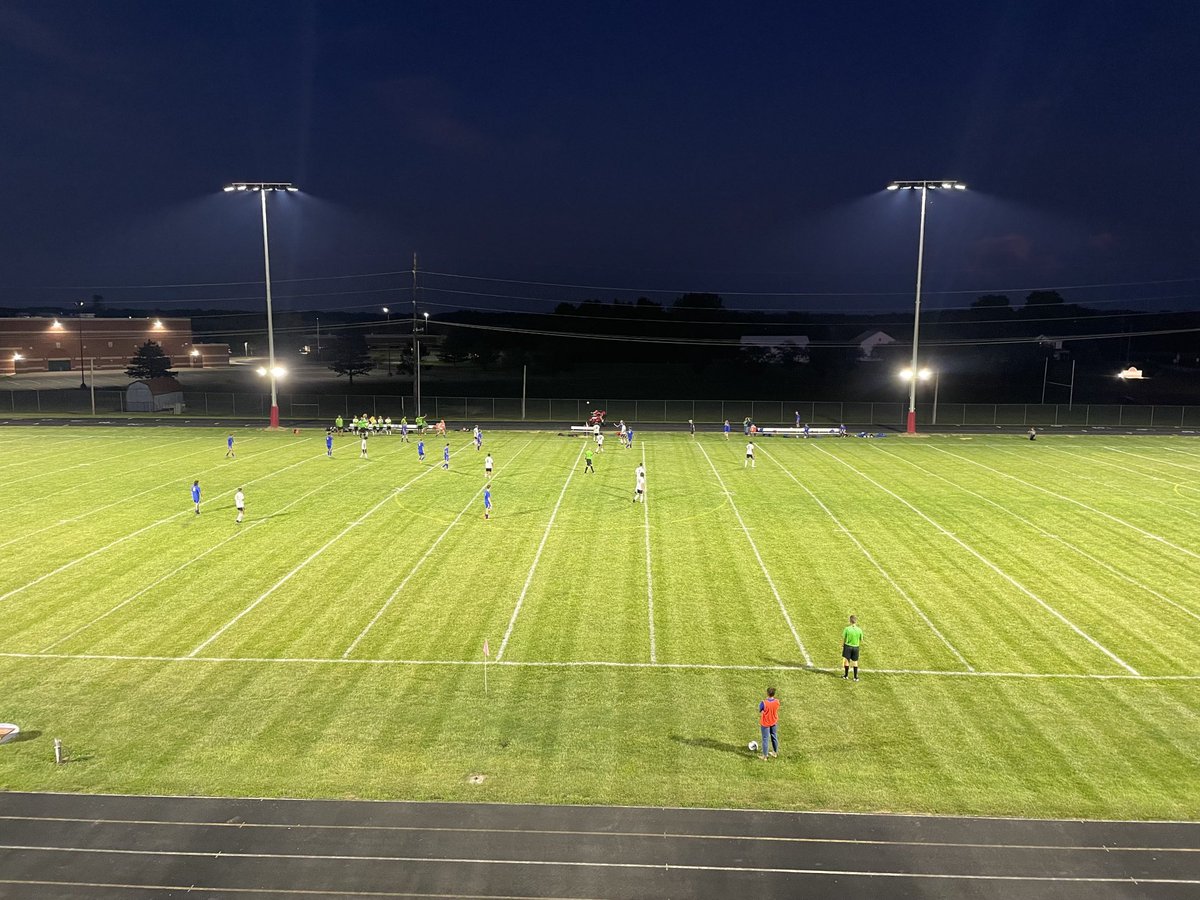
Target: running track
{"points": [[73, 846]]}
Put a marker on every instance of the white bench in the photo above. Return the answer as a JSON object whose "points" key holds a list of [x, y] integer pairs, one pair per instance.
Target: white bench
{"points": [[588, 428], [799, 432]]}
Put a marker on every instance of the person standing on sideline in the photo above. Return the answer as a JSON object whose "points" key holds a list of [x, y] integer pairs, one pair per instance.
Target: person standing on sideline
{"points": [[239, 503], [487, 501], [749, 455], [339, 423], [768, 720], [727, 429], [487, 466], [692, 427], [806, 431], [420, 449], [587, 462], [852, 637], [229, 454], [639, 488], [329, 444], [196, 495], [446, 457], [797, 418], [363, 444]]}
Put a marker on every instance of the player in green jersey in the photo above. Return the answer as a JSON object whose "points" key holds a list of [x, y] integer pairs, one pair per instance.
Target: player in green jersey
{"points": [[852, 637]]}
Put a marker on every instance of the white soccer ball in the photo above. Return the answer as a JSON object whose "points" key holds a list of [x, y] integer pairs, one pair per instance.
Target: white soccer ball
{"points": [[752, 746]]}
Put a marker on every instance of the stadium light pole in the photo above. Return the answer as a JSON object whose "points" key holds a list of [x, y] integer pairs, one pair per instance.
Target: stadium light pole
{"points": [[82, 380], [263, 188], [388, 312], [924, 187]]}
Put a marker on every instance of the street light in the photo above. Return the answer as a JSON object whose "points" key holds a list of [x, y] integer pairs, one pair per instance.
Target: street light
{"points": [[387, 312], [925, 187], [925, 375], [263, 188]]}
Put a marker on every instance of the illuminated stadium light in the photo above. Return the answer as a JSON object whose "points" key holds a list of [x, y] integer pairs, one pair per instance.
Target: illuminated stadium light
{"points": [[1131, 374]]}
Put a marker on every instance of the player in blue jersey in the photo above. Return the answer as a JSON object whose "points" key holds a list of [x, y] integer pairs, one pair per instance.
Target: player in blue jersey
{"points": [[196, 495], [329, 444], [727, 427], [629, 439], [478, 438], [446, 457], [487, 501], [229, 454], [421, 449], [404, 429]]}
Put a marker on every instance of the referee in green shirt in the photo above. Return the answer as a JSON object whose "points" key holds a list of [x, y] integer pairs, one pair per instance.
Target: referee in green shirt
{"points": [[852, 637]]}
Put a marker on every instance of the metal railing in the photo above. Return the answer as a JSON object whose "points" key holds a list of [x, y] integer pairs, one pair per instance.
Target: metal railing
{"points": [[465, 410]]}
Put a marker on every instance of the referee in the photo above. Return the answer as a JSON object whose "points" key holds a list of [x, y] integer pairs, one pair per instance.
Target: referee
{"points": [[852, 637]]}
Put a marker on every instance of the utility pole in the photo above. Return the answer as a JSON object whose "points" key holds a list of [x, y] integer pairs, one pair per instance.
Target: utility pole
{"points": [[416, 342]]}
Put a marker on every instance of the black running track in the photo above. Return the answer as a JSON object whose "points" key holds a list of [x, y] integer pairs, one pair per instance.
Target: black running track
{"points": [[66, 845]]}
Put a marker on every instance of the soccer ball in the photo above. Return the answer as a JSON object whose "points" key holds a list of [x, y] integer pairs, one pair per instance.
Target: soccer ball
{"points": [[752, 746]]}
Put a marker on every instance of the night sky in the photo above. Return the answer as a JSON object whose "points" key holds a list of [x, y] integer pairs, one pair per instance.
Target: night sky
{"points": [[629, 148]]}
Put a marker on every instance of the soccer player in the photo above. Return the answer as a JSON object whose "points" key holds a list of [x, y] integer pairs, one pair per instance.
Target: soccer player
{"points": [[842, 430], [478, 439], [806, 431], [639, 489], [487, 466], [599, 443], [587, 462], [404, 429], [852, 637], [768, 720], [329, 444], [692, 427], [1032, 434], [727, 428], [797, 418], [239, 503], [749, 455], [363, 445], [628, 438], [196, 495], [420, 449], [487, 501], [596, 432], [446, 457], [229, 454]]}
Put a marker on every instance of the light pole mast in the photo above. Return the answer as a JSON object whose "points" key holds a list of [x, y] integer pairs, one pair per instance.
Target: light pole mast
{"points": [[925, 187], [262, 187], [416, 342]]}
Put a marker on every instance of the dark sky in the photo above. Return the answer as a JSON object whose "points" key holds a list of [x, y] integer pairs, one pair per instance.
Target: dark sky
{"points": [[732, 147]]}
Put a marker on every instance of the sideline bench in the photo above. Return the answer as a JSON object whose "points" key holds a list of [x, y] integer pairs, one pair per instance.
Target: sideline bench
{"points": [[799, 432]]}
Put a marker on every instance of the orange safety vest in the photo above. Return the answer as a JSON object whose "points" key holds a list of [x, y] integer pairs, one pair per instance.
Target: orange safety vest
{"points": [[770, 711]]}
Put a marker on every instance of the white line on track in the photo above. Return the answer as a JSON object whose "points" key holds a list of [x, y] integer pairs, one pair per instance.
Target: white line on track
{"points": [[991, 565], [1128, 579], [590, 864], [420, 562], [762, 565], [69, 565], [533, 568], [586, 664], [649, 577], [1154, 537], [288, 577], [878, 567]]}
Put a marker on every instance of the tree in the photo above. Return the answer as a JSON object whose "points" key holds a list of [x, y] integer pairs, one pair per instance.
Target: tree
{"points": [[352, 357], [1044, 298], [149, 362], [992, 301]]}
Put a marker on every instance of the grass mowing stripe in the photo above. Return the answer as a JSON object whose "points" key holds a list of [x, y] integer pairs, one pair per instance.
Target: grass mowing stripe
{"points": [[533, 567], [991, 565], [770, 581], [396, 593], [649, 580], [1079, 503], [1128, 579], [288, 577], [874, 562]]}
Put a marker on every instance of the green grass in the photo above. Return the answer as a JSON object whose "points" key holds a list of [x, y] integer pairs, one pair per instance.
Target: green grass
{"points": [[1031, 615]]}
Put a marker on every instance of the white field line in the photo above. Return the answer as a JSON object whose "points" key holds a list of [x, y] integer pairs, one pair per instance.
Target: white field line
{"points": [[879, 568], [58, 470], [533, 568], [197, 558], [589, 664], [762, 565], [1128, 579], [124, 501], [1154, 459], [991, 565], [288, 577], [69, 565], [42, 452], [649, 577], [420, 562], [1154, 537]]}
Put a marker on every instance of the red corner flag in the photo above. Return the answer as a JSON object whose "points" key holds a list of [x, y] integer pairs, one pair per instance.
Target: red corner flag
{"points": [[486, 651]]}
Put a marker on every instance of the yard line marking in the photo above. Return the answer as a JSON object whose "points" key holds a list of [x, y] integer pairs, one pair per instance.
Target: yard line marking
{"points": [[83, 465], [649, 580], [1129, 579], [69, 565], [587, 664], [582, 864], [879, 568], [1155, 460], [199, 557], [288, 577], [533, 568], [991, 565], [770, 581], [396, 593], [1154, 537]]}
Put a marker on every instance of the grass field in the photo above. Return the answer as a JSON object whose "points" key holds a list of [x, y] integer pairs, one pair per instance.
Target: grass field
{"points": [[1032, 619]]}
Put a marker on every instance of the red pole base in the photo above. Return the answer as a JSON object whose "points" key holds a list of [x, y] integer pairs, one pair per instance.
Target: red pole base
{"points": [[274, 416], [912, 421]]}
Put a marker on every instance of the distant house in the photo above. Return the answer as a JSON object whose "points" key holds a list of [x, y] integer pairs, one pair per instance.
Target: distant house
{"points": [[154, 395], [869, 341], [776, 348]]}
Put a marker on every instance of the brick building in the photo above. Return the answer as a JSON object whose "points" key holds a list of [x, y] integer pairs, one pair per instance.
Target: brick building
{"points": [[47, 344]]}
